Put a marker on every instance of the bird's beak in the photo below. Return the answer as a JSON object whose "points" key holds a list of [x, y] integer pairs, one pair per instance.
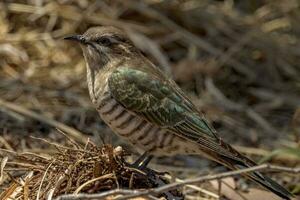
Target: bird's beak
{"points": [[78, 38]]}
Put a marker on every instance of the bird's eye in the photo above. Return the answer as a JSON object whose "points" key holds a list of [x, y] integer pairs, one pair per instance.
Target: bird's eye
{"points": [[104, 41]]}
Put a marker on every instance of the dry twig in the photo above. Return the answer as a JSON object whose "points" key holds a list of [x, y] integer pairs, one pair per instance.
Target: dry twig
{"points": [[127, 194], [80, 137]]}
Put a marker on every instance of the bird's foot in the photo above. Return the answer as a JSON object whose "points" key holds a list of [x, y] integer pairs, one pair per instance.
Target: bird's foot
{"points": [[142, 162]]}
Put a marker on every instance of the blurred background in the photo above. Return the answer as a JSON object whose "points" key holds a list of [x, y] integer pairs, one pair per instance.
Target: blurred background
{"points": [[237, 60]]}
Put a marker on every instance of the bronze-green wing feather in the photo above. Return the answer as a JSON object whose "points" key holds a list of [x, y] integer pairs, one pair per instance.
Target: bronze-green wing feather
{"points": [[160, 101], [151, 95]]}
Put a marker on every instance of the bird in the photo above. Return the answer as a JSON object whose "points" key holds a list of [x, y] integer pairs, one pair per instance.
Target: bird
{"points": [[146, 107]]}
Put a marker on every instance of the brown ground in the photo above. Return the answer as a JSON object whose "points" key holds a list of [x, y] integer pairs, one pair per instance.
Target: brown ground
{"points": [[238, 61]]}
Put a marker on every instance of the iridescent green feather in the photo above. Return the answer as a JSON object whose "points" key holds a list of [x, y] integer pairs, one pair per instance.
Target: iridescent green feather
{"points": [[157, 101], [162, 102]]}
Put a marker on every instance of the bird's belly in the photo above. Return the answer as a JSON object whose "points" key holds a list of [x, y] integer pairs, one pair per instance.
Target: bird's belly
{"points": [[139, 132]]}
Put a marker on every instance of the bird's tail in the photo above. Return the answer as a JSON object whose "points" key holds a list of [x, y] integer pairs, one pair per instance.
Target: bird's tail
{"points": [[270, 184], [259, 178]]}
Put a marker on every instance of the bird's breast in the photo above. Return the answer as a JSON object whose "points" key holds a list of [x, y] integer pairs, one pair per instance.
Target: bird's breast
{"points": [[141, 133]]}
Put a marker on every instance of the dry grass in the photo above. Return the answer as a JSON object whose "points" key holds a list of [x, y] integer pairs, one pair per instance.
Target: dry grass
{"points": [[238, 60], [72, 169]]}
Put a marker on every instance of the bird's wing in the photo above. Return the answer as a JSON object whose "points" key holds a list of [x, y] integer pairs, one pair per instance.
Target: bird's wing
{"points": [[161, 102]]}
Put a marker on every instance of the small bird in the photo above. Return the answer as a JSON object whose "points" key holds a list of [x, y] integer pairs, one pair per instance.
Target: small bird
{"points": [[143, 105]]}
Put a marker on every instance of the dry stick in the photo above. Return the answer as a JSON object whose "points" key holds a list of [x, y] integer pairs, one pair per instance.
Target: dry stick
{"points": [[77, 146], [192, 38], [223, 59], [97, 196], [199, 189], [5, 143], [263, 152], [42, 181], [61, 179], [71, 14], [238, 107], [26, 189], [148, 45], [106, 176], [25, 153], [138, 193], [65, 128], [56, 144], [2, 165], [26, 165], [212, 177]]}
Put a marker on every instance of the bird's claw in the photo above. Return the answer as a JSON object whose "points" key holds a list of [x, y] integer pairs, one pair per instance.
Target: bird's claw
{"points": [[142, 162]]}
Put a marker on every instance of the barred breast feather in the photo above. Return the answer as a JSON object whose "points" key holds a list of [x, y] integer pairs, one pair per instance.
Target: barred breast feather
{"points": [[145, 135]]}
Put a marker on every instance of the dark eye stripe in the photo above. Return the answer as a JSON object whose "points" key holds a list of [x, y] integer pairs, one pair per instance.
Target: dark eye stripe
{"points": [[121, 39], [104, 41]]}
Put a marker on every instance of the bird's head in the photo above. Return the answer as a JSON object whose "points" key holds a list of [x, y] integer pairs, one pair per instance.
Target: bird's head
{"points": [[103, 44]]}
